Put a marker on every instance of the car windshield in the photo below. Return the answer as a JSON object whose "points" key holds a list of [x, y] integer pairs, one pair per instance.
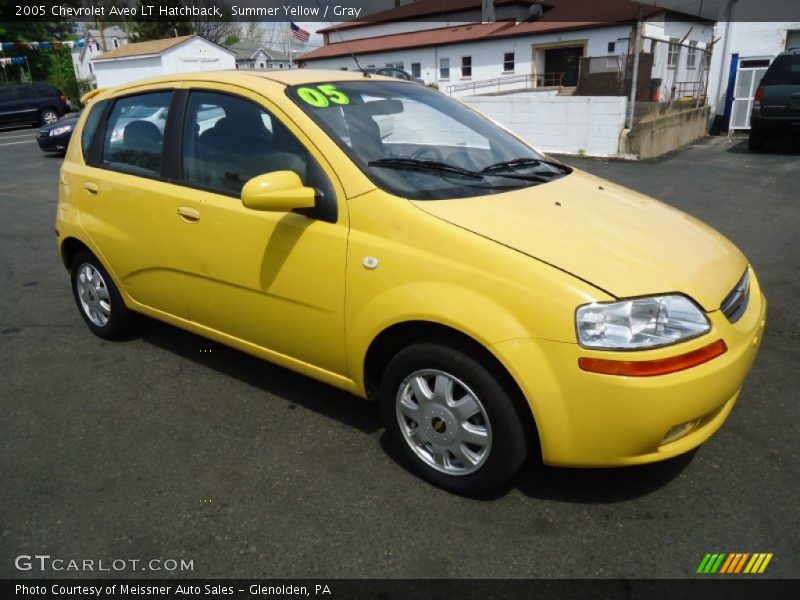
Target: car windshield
{"points": [[417, 143]]}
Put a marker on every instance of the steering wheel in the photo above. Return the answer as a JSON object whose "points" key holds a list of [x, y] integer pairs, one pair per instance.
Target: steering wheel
{"points": [[423, 150]]}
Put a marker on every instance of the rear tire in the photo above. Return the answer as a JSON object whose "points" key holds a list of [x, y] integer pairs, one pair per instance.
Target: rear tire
{"points": [[48, 116], [98, 299], [456, 425], [757, 141]]}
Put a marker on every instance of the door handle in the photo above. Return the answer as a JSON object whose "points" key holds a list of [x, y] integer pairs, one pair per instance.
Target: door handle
{"points": [[188, 214], [91, 187]]}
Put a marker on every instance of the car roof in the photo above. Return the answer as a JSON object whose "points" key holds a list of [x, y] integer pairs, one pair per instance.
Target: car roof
{"points": [[247, 78]]}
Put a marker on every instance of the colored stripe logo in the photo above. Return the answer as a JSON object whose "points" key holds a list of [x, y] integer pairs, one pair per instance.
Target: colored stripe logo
{"points": [[734, 563]]}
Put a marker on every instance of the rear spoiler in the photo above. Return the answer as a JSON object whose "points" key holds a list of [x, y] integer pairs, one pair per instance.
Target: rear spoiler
{"points": [[90, 94]]}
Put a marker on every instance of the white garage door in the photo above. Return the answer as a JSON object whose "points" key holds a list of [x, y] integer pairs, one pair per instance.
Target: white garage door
{"points": [[193, 65]]}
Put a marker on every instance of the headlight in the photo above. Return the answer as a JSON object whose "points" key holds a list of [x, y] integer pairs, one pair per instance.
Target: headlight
{"points": [[60, 130], [639, 324]]}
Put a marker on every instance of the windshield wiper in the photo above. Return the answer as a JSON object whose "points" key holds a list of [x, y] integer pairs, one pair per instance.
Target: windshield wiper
{"points": [[423, 165], [508, 165]]}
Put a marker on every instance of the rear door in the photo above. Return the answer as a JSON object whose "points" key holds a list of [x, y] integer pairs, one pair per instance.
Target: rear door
{"points": [[122, 197]]}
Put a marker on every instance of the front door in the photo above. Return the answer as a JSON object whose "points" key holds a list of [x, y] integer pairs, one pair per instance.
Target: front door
{"points": [[564, 62], [273, 279]]}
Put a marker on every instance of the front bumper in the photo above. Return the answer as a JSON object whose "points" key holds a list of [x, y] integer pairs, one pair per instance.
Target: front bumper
{"points": [[56, 143], [593, 420]]}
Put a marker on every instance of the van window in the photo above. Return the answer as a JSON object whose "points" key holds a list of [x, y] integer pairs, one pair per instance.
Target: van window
{"points": [[135, 133]]}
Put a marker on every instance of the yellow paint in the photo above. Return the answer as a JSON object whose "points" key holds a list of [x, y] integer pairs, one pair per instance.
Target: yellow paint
{"points": [[507, 270]]}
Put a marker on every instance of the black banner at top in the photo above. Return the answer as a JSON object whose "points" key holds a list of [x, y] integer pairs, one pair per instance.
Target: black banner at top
{"points": [[443, 11]]}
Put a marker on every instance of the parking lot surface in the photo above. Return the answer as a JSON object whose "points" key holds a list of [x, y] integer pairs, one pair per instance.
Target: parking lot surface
{"points": [[171, 446]]}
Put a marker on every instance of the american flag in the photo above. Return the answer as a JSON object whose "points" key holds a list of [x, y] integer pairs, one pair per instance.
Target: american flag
{"points": [[299, 34]]}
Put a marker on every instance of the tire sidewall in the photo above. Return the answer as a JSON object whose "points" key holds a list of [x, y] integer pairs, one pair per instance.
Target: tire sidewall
{"points": [[509, 447], [119, 322], [44, 112]]}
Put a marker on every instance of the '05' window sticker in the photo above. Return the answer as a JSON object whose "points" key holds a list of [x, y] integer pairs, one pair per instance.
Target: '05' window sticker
{"points": [[321, 96]]}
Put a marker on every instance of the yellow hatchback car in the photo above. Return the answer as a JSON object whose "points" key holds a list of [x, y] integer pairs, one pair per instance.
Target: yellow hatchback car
{"points": [[388, 240]]}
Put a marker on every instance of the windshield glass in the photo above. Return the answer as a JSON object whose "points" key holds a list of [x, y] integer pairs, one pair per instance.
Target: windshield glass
{"points": [[420, 144]]}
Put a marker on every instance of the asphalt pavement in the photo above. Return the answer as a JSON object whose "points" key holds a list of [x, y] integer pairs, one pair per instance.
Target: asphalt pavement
{"points": [[169, 446]]}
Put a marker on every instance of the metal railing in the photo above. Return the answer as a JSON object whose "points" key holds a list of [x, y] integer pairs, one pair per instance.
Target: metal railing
{"points": [[528, 81]]}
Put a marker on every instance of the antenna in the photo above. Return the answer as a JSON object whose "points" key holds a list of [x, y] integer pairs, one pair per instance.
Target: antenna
{"points": [[346, 45]]}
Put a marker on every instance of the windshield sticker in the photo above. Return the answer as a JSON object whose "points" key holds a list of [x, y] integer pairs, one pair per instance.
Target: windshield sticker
{"points": [[322, 95]]}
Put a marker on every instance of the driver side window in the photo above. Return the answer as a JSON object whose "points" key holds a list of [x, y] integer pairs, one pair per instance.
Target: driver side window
{"points": [[228, 140]]}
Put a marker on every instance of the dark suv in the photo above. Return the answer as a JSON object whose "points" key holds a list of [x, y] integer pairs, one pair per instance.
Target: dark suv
{"points": [[31, 104], [776, 108]]}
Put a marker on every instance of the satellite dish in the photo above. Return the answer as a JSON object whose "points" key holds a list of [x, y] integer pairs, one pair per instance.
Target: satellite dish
{"points": [[535, 11]]}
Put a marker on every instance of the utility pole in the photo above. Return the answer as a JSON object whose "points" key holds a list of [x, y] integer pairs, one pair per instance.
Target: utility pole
{"points": [[637, 48]]}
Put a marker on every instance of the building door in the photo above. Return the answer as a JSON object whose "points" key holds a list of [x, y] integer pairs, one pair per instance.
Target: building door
{"points": [[564, 61], [748, 76]]}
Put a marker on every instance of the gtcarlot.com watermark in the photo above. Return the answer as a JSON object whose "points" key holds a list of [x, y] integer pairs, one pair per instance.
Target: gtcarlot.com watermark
{"points": [[44, 563]]}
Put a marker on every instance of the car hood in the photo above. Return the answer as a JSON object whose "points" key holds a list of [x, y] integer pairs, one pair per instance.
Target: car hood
{"points": [[620, 241], [59, 123]]}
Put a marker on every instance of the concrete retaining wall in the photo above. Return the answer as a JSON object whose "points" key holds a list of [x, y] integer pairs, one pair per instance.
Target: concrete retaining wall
{"points": [[588, 125], [658, 136]]}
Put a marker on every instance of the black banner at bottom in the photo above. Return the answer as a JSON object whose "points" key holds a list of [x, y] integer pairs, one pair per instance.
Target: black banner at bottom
{"points": [[712, 588]]}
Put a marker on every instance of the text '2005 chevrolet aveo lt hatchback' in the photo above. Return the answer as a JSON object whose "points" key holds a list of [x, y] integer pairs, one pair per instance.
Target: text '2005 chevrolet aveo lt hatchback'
{"points": [[383, 238]]}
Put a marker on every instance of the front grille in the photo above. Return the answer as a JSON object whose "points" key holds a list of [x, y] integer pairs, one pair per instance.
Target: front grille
{"points": [[735, 303]]}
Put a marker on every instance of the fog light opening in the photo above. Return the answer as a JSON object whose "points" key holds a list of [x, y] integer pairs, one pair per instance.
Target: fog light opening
{"points": [[680, 431]]}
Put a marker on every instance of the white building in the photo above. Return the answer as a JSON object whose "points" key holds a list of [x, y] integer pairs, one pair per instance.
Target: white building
{"points": [[250, 55], [184, 54], [96, 41], [742, 56], [522, 48]]}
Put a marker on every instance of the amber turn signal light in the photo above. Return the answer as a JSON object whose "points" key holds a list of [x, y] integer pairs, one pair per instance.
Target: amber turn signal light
{"points": [[651, 368]]}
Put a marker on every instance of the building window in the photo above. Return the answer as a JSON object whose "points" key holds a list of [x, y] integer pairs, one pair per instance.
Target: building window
{"points": [[115, 41], [672, 52], [343, 68], [612, 47], [444, 68], [508, 62], [261, 65], [395, 65], [466, 66], [416, 70], [691, 56]]}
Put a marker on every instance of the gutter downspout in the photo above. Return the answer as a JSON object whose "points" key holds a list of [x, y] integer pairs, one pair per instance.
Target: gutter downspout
{"points": [[725, 48]]}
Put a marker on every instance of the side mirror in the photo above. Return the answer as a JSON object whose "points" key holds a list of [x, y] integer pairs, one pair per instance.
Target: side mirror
{"points": [[279, 191]]}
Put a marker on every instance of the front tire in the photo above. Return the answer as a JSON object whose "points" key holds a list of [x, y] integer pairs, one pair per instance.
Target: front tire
{"points": [[98, 299], [455, 423]]}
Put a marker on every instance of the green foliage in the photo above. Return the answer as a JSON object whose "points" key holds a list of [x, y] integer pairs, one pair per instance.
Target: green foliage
{"points": [[231, 40], [145, 30]]}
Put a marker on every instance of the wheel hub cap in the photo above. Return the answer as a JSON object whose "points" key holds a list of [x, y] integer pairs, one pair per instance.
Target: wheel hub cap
{"points": [[443, 422], [93, 294]]}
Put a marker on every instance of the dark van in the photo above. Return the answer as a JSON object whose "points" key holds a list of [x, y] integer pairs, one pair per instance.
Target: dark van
{"points": [[31, 104], [776, 107]]}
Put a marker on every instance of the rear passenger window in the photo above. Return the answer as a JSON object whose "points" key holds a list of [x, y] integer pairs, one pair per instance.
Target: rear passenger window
{"points": [[90, 127], [135, 133], [229, 140]]}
